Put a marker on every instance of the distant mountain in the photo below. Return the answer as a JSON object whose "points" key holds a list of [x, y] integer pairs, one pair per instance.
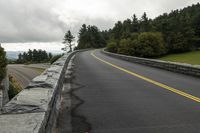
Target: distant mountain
{"points": [[13, 55]]}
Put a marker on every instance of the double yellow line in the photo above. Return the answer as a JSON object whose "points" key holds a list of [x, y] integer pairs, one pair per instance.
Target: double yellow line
{"points": [[189, 96]]}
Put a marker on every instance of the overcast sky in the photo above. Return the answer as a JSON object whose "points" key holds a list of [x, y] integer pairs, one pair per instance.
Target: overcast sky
{"points": [[47, 20]]}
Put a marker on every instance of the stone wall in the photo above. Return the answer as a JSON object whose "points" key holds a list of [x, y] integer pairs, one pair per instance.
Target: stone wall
{"points": [[35, 109], [170, 66]]}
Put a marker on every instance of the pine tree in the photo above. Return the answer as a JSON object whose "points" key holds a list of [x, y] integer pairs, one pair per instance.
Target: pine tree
{"points": [[135, 24], [145, 25], [68, 39]]}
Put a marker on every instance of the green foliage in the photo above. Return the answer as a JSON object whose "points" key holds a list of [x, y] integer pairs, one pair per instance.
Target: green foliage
{"points": [[150, 44], [14, 87], [35, 56], [145, 25], [146, 44], [55, 58], [90, 37], [176, 32], [12, 92], [180, 43], [112, 47], [3, 64], [126, 47], [68, 39], [135, 24]]}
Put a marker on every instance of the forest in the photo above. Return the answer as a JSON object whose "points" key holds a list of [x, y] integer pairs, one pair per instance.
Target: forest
{"points": [[34, 56], [174, 32]]}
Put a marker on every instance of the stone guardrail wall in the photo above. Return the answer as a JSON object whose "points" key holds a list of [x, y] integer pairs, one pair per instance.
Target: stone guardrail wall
{"points": [[36, 108], [170, 66]]}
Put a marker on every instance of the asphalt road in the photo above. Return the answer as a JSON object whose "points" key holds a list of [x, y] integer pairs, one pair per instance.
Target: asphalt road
{"points": [[22, 74], [114, 96]]}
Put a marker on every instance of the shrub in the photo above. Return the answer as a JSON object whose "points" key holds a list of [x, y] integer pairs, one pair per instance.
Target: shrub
{"points": [[3, 64], [14, 87], [150, 44], [112, 47], [126, 47], [55, 58], [179, 43]]}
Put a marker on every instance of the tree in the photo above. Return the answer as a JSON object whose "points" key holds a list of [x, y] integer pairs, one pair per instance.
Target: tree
{"points": [[135, 24], [178, 43], [35, 55], [83, 37], [126, 47], [150, 44], [3, 64], [30, 55], [25, 57], [20, 58], [117, 30], [112, 47], [90, 37], [50, 56], [68, 39], [145, 25]]}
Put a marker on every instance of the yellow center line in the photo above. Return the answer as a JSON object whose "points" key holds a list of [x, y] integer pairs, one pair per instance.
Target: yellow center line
{"points": [[184, 94]]}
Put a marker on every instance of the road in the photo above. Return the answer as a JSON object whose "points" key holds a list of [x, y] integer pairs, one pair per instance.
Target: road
{"points": [[22, 74], [114, 96]]}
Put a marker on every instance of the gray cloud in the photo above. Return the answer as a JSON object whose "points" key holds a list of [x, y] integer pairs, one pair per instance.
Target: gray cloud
{"points": [[47, 20]]}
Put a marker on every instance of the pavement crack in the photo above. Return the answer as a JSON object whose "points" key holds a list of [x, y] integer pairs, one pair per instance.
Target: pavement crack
{"points": [[79, 122]]}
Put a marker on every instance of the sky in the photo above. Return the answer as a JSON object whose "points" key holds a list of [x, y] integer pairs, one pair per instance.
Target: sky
{"points": [[31, 21]]}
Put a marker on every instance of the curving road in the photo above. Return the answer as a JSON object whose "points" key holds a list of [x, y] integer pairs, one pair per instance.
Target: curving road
{"points": [[114, 96], [22, 74]]}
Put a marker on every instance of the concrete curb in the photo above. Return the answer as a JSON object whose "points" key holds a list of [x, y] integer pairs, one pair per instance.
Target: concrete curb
{"points": [[170, 66]]}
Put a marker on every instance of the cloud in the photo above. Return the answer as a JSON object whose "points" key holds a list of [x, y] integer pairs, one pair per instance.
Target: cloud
{"points": [[47, 20]]}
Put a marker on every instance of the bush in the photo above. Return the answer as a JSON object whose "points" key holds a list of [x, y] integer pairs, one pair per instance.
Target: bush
{"points": [[3, 64], [150, 44], [179, 43], [12, 92], [126, 47], [55, 58], [112, 47], [14, 87]]}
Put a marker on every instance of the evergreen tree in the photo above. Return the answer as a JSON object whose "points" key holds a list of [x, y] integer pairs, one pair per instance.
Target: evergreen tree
{"points": [[30, 55], [180, 30], [135, 24], [68, 39], [118, 30], [90, 37], [35, 55], [50, 56], [145, 23]]}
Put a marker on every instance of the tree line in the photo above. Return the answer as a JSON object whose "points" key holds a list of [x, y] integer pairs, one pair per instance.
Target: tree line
{"points": [[34, 56], [174, 32], [178, 31], [90, 37]]}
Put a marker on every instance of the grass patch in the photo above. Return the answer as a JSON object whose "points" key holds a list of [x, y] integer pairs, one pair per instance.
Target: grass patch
{"points": [[14, 87], [189, 58]]}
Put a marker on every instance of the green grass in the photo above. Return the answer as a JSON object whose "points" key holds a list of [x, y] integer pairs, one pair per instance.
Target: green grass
{"points": [[189, 58]]}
